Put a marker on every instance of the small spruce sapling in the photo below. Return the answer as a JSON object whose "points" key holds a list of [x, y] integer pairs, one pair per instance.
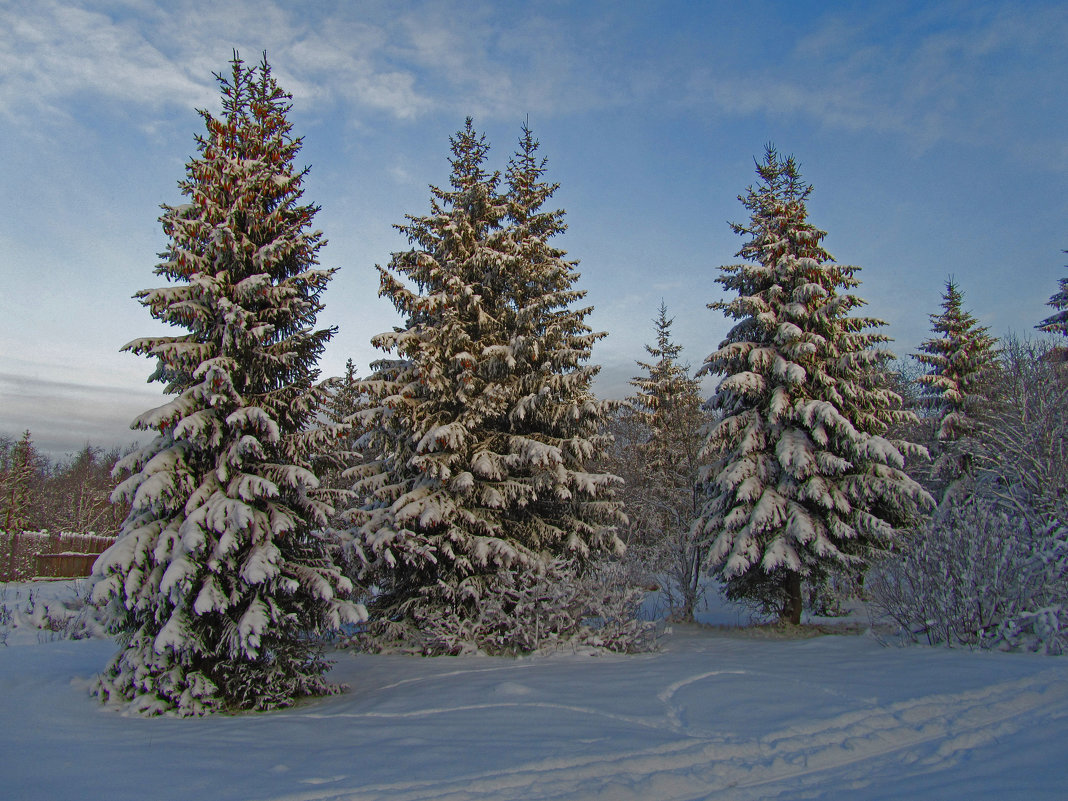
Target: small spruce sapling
{"points": [[958, 385], [661, 465]]}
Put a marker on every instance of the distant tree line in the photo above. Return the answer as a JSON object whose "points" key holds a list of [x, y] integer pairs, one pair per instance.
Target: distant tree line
{"points": [[70, 494]]}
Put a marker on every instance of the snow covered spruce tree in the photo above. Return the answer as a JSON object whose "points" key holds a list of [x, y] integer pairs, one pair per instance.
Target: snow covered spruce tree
{"points": [[218, 583], [801, 480], [1057, 323], [20, 484], [481, 423], [331, 466], [661, 466], [958, 385]]}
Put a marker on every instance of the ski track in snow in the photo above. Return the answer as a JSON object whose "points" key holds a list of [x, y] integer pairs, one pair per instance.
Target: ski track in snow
{"points": [[917, 736], [450, 673]]}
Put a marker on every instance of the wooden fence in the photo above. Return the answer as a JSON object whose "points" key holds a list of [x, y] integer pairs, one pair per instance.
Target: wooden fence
{"points": [[26, 555]]}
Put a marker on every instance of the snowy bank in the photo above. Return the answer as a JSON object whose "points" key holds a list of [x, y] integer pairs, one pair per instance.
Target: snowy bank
{"points": [[715, 714]]}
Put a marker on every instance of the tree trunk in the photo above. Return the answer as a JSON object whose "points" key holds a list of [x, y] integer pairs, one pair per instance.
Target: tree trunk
{"points": [[791, 607]]}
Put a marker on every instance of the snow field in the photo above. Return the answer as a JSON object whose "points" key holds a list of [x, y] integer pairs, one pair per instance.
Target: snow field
{"points": [[713, 715]]}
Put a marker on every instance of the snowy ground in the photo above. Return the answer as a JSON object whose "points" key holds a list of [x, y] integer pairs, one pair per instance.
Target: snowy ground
{"points": [[715, 715]]}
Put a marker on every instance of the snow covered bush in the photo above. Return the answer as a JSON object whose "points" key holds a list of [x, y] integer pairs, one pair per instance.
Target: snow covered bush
{"points": [[560, 605], [42, 612], [481, 424], [1028, 447], [977, 575], [803, 476], [219, 585], [991, 568]]}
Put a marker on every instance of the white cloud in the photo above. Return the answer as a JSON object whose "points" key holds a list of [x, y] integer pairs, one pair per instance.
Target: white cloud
{"points": [[56, 54], [59, 53], [433, 55], [958, 74]]}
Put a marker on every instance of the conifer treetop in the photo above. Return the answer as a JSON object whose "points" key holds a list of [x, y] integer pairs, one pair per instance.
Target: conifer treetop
{"points": [[957, 388], [667, 405], [243, 233], [959, 359], [666, 384], [784, 249], [1057, 323]]}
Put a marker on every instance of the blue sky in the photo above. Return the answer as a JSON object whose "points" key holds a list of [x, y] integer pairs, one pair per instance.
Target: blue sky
{"points": [[934, 134]]}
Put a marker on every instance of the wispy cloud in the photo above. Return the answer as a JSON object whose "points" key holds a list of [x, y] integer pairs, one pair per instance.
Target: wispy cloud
{"points": [[53, 52], [963, 73], [368, 56], [58, 53], [957, 72], [62, 414]]}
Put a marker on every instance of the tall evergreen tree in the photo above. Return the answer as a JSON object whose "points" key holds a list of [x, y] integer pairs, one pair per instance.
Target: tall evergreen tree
{"points": [[344, 396], [663, 464], [801, 479], [219, 583], [957, 386], [480, 427], [1057, 323], [333, 465], [20, 479], [668, 404]]}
